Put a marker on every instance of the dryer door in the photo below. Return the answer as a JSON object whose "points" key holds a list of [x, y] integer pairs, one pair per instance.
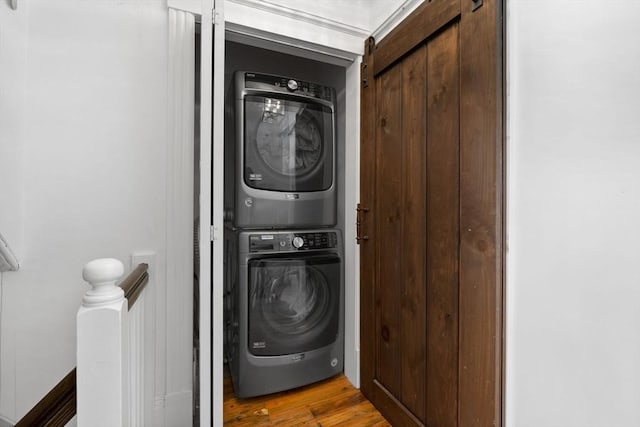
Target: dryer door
{"points": [[294, 304], [288, 144]]}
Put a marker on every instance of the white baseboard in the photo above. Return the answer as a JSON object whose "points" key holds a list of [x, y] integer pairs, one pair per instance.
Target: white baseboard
{"points": [[5, 423]]}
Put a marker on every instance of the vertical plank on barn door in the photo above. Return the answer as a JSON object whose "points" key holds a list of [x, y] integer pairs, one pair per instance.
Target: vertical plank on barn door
{"points": [[413, 237], [389, 283], [481, 192], [443, 143]]}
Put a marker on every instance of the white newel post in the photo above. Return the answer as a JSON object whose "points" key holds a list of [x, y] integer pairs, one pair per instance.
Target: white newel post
{"points": [[102, 371]]}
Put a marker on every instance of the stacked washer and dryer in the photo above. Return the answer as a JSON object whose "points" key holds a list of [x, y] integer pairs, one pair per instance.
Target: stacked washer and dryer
{"points": [[284, 286]]}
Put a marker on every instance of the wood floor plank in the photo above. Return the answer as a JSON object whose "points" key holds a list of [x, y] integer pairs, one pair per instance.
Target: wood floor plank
{"points": [[333, 402]]}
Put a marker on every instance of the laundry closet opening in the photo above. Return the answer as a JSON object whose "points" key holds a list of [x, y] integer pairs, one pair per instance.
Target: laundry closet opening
{"points": [[309, 299], [284, 221]]}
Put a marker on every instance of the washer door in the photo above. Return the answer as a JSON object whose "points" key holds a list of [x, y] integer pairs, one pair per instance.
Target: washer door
{"points": [[288, 144], [294, 304]]}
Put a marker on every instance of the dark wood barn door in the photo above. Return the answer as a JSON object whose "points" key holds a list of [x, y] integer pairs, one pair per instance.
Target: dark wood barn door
{"points": [[430, 217]]}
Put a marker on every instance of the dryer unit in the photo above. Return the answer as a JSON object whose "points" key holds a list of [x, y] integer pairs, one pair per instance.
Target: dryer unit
{"points": [[284, 309], [285, 168]]}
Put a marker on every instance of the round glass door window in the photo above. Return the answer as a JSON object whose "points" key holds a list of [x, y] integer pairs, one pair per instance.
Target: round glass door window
{"points": [[295, 300], [293, 305], [290, 144]]}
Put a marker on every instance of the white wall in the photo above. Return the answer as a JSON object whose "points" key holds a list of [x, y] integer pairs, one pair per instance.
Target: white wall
{"points": [[573, 283], [13, 57], [84, 140]]}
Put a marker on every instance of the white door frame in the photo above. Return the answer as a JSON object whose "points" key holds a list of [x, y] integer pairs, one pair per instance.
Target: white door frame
{"points": [[212, 27], [217, 215], [210, 197], [208, 405]]}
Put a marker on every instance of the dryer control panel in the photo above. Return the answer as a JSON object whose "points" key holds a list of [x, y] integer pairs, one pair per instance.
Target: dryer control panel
{"points": [[288, 85], [292, 242]]}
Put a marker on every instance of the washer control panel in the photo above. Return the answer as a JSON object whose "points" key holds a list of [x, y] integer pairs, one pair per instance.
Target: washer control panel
{"points": [[288, 85], [292, 242]]}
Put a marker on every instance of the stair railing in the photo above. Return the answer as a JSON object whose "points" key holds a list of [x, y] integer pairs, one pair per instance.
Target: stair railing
{"points": [[107, 386], [110, 372]]}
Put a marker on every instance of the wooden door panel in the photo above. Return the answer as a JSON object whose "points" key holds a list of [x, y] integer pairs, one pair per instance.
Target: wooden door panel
{"points": [[413, 207], [431, 176], [442, 227], [416, 205], [423, 202], [388, 211], [400, 206], [430, 18]]}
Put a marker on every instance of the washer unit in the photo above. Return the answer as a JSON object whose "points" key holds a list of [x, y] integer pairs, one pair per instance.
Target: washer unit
{"points": [[284, 309], [285, 167]]}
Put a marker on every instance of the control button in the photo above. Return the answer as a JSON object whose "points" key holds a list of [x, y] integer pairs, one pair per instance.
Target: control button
{"points": [[292, 85], [298, 242]]}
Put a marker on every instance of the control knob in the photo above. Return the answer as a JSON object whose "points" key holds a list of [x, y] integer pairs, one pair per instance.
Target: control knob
{"points": [[292, 85], [298, 242]]}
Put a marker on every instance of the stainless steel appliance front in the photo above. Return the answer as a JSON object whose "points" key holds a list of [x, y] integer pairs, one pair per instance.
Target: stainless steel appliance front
{"points": [[284, 313], [285, 168]]}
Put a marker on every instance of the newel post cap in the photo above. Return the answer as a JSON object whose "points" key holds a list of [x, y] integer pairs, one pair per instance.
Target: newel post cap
{"points": [[102, 274]]}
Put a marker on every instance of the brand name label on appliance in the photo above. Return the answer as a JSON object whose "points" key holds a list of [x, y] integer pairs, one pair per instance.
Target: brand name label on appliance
{"points": [[291, 196]]}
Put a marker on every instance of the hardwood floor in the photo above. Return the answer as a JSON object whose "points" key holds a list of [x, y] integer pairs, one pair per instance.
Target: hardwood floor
{"points": [[333, 402]]}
